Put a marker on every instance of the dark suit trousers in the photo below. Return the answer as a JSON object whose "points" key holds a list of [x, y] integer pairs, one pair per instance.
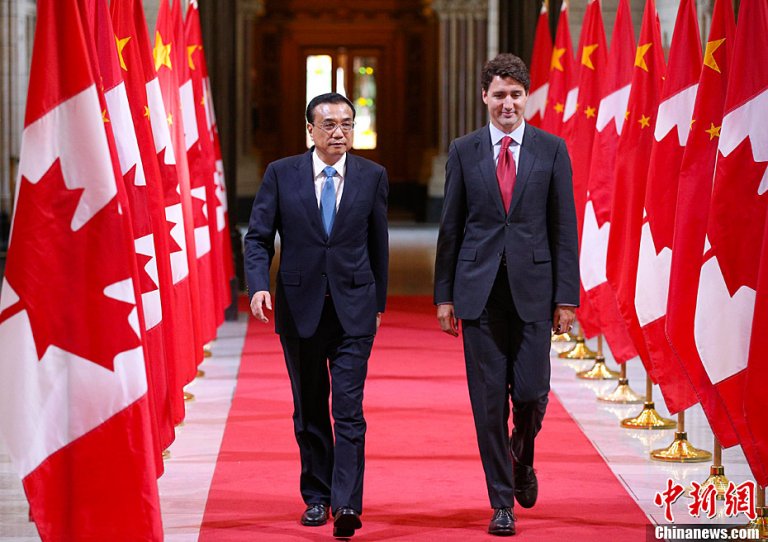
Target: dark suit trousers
{"points": [[505, 358], [329, 361]]}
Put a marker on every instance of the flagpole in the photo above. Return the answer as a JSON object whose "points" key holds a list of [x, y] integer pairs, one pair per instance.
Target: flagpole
{"points": [[717, 476], [681, 451], [599, 370], [648, 418], [623, 394]]}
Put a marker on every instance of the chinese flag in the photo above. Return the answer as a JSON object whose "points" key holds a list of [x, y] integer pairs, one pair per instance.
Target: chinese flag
{"points": [[170, 64], [725, 303], [673, 124], [633, 156], [77, 424], [561, 75], [540, 62], [614, 97], [580, 130], [207, 162], [693, 200], [152, 253], [157, 155]]}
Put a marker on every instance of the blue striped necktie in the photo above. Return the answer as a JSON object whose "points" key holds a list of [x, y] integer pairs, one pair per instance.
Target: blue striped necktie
{"points": [[328, 199]]}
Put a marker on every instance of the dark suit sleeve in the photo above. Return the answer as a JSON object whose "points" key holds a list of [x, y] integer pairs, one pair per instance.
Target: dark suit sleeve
{"points": [[563, 233], [260, 239], [451, 232], [378, 241]]}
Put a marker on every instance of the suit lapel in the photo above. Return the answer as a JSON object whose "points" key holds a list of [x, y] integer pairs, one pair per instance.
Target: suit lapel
{"points": [[524, 168], [352, 181], [485, 161], [306, 189]]}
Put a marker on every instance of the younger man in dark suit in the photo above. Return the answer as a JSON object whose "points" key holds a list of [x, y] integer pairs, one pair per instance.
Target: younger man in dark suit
{"points": [[330, 209], [507, 266]]}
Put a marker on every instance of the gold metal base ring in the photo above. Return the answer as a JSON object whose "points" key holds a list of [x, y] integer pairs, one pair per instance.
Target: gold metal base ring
{"points": [[623, 394], [648, 419], [681, 451], [599, 371], [579, 351]]}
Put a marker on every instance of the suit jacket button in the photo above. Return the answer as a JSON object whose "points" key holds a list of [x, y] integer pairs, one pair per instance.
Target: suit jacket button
{"points": [[322, 274]]}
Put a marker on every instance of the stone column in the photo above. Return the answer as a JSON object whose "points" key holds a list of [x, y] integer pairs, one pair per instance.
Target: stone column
{"points": [[462, 51]]}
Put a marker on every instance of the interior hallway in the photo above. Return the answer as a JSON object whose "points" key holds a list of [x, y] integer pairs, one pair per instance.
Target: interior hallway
{"points": [[189, 470]]}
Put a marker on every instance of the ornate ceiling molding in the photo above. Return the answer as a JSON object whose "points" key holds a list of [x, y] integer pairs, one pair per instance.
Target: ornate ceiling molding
{"points": [[477, 9]]}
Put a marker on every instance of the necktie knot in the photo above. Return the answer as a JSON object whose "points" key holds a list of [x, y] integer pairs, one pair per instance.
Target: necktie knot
{"points": [[329, 171], [506, 141]]}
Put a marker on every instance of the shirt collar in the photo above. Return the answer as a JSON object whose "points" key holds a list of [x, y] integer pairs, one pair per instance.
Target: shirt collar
{"points": [[516, 134], [318, 165]]}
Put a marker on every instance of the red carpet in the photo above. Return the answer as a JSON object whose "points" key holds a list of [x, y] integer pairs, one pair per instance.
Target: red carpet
{"points": [[423, 479]]}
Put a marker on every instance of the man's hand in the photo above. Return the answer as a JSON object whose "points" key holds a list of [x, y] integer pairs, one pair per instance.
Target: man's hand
{"points": [[562, 320], [258, 301], [448, 321], [378, 320]]}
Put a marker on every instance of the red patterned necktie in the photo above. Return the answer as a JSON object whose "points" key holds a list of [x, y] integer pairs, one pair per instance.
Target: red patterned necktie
{"points": [[506, 172]]}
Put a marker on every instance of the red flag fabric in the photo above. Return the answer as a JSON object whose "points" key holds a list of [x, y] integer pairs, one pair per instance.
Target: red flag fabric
{"points": [[580, 131], [158, 159], [673, 125], [151, 255], [614, 93], [77, 424], [540, 63], [207, 163], [693, 201], [169, 62], [561, 75], [631, 174], [725, 305], [198, 176]]}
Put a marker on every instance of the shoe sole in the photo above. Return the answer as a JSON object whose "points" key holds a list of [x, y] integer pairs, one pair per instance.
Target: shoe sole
{"points": [[505, 532], [314, 523]]}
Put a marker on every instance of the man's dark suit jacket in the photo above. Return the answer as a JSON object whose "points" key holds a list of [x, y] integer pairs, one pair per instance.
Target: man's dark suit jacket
{"points": [[538, 234], [351, 265]]}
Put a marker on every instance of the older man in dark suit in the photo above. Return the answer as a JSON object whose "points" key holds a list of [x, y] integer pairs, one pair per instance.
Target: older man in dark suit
{"points": [[330, 209], [507, 267]]}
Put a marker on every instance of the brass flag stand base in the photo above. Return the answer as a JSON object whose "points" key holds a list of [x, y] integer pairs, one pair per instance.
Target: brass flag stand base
{"points": [[200, 373], [166, 454], [207, 353], [623, 394], [761, 521], [562, 338], [580, 349], [681, 451], [599, 371], [717, 476], [648, 417], [188, 396]]}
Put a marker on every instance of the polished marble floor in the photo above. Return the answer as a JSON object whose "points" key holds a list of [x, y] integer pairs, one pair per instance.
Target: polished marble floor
{"points": [[184, 486]]}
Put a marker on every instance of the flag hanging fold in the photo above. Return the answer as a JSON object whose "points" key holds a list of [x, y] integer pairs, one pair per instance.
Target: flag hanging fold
{"points": [[540, 61], [562, 75], [614, 97], [77, 422]]}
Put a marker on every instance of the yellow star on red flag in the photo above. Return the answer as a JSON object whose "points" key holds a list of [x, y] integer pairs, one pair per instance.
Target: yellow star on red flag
{"points": [[714, 131], [559, 107], [590, 112], [557, 54], [121, 43], [644, 121], [586, 56], [709, 58], [191, 51], [161, 53], [640, 56]]}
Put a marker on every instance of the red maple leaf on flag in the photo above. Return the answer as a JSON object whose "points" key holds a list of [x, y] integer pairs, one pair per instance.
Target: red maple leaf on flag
{"points": [[80, 271]]}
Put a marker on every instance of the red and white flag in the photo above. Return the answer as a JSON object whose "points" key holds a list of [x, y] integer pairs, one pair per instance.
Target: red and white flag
{"points": [[614, 97], [207, 158], [75, 418], [725, 304], [693, 200], [580, 131], [631, 174], [540, 62], [673, 125], [562, 75], [170, 59]]}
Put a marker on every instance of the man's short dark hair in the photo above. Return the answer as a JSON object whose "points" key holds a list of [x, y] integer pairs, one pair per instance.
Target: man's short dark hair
{"points": [[506, 65], [327, 98]]}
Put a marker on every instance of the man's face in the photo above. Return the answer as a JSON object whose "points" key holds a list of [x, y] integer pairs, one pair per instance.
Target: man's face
{"points": [[506, 100], [331, 145]]}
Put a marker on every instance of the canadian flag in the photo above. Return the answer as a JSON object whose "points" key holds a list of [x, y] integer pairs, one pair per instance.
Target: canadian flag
{"points": [[207, 162], [152, 255], [157, 156], [561, 75], [673, 123], [540, 62], [725, 304], [580, 131], [75, 415], [693, 201], [614, 92], [631, 174]]}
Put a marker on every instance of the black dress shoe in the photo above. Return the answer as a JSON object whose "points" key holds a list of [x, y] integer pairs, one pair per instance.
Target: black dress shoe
{"points": [[526, 485], [315, 515], [502, 522], [345, 521]]}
